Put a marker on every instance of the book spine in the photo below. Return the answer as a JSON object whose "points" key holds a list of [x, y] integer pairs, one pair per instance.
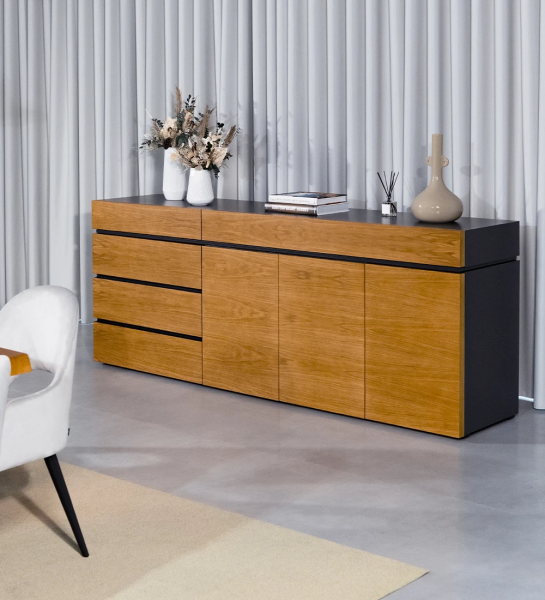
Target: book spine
{"points": [[332, 209], [292, 200], [291, 208]]}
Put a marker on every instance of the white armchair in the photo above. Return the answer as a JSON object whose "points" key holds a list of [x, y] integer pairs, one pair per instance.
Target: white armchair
{"points": [[42, 322]]}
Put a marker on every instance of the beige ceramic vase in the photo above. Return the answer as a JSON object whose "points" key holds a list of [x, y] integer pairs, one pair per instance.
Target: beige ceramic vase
{"points": [[437, 204]]}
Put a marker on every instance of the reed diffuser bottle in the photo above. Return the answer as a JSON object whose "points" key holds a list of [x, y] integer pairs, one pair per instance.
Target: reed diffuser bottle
{"points": [[437, 204], [389, 208]]}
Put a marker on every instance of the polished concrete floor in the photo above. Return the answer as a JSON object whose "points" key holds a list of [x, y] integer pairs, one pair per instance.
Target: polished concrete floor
{"points": [[470, 511]]}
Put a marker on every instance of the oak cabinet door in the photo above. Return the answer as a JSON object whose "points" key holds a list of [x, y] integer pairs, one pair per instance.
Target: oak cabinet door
{"points": [[240, 321], [414, 348], [322, 334]]}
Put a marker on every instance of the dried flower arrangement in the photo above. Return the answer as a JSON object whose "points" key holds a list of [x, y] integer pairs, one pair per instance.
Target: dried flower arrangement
{"points": [[195, 145]]}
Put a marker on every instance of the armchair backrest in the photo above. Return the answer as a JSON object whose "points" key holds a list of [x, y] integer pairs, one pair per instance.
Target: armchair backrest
{"points": [[42, 322]]}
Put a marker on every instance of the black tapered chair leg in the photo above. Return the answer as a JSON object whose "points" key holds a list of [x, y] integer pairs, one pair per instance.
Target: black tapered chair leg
{"points": [[54, 469]]}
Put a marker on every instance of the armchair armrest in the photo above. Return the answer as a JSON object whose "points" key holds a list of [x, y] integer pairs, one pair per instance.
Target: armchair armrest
{"points": [[35, 425]]}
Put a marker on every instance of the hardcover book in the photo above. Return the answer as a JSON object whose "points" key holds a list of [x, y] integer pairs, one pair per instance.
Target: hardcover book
{"points": [[305, 209], [307, 198]]}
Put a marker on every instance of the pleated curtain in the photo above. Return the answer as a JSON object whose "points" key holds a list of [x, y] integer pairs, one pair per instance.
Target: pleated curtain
{"points": [[326, 92]]}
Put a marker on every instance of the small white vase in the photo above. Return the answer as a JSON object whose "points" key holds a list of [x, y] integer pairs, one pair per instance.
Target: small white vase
{"points": [[174, 178], [199, 191], [437, 204]]}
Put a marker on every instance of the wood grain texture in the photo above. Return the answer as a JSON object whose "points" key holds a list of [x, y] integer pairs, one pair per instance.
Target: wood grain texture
{"points": [[149, 352], [174, 221], [147, 306], [240, 321], [414, 349], [20, 362], [322, 334], [443, 247], [147, 260]]}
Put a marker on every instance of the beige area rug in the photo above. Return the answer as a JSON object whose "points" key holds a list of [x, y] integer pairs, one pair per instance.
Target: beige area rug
{"points": [[148, 545]]}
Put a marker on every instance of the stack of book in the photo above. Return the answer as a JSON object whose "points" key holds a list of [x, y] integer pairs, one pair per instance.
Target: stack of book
{"points": [[307, 203]]}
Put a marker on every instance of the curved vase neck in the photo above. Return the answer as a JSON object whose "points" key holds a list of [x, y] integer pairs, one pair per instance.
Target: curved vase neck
{"points": [[437, 161]]}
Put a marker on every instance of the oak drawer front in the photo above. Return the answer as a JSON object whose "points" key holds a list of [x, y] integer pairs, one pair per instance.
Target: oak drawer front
{"points": [[147, 260], [148, 306], [366, 240], [165, 355], [172, 221]]}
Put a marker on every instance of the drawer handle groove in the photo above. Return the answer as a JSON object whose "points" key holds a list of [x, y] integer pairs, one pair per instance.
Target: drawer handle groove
{"points": [[150, 329], [151, 284]]}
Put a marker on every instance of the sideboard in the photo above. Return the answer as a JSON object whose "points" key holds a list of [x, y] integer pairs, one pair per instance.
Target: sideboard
{"points": [[391, 320]]}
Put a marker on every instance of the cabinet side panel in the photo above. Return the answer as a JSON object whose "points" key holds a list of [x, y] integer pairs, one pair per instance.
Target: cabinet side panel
{"points": [[322, 326], [491, 345], [413, 349], [240, 321], [492, 244]]}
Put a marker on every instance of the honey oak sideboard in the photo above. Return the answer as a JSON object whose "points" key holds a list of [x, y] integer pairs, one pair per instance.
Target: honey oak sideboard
{"points": [[391, 320]]}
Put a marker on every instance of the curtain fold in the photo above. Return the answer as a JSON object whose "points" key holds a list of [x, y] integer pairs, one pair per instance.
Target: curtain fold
{"points": [[326, 93]]}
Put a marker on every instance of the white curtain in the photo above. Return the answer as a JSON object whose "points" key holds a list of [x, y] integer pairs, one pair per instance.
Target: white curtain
{"points": [[326, 92]]}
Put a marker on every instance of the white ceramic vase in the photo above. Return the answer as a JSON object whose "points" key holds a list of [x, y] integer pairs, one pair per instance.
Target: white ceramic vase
{"points": [[199, 191], [437, 204], [174, 178]]}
